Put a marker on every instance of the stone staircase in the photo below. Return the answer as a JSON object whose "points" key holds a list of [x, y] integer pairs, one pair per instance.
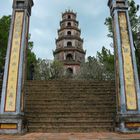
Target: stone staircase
{"points": [[70, 106]]}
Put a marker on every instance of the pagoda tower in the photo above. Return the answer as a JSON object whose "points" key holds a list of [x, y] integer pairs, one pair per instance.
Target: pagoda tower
{"points": [[69, 45]]}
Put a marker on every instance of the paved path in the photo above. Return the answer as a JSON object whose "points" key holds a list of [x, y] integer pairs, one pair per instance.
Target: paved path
{"points": [[72, 136]]}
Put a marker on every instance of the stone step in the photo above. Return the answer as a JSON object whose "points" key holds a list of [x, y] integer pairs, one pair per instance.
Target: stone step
{"points": [[80, 124], [69, 86], [51, 110], [53, 99], [71, 114], [70, 81], [49, 99], [65, 89], [75, 108], [59, 87], [98, 92], [69, 106], [73, 92], [57, 93], [70, 103], [49, 87], [37, 96], [52, 103], [70, 97], [70, 120], [56, 90], [75, 84], [36, 117], [71, 110], [68, 129]]}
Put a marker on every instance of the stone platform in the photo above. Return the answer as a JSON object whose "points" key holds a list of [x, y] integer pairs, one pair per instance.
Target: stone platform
{"points": [[72, 136]]}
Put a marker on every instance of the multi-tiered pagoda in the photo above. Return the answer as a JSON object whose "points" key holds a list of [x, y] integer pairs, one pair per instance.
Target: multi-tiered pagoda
{"points": [[69, 45]]}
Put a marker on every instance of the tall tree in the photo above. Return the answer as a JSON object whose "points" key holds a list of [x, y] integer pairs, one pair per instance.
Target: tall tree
{"points": [[42, 70], [99, 68], [56, 70], [31, 58], [4, 33], [91, 69], [47, 70], [135, 24], [134, 20], [106, 58]]}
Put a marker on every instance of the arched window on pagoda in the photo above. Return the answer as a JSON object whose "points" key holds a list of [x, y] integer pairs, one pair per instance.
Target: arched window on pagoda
{"points": [[69, 57], [69, 24], [69, 44], [69, 33], [69, 17]]}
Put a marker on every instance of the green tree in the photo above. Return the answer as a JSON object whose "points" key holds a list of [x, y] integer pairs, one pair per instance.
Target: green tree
{"points": [[45, 70], [134, 20], [56, 70], [91, 69], [135, 25], [31, 58], [4, 33], [42, 70], [106, 58], [99, 68]]}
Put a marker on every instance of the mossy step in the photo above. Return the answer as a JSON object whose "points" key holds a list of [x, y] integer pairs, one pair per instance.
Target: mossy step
{"points": [[71, 107], [69, 115], [94, 103], [80, 124], [54, 129], [71, 110], [70, 120]]}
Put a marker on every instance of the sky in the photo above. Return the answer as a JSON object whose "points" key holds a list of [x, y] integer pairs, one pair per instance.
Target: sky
{"points": [[45, 21]]}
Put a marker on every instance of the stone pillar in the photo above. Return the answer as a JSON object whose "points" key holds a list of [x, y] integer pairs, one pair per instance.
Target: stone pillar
{"points": [[127, 83], [12, 102]]}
